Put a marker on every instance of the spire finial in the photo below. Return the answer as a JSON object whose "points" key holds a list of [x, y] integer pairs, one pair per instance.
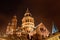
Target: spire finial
{"points": [[27, 11]]}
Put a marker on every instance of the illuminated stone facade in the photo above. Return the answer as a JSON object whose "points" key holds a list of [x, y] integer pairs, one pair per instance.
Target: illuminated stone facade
{"points": [[28, 27], [28, 22], [42, 31], [11, 28]]}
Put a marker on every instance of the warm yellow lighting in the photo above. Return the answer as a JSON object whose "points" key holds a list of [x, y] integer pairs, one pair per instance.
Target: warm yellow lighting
{"points": [[2, 39]]}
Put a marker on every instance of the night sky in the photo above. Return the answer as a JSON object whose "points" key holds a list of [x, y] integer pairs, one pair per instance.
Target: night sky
{"points": [[47, 11]]}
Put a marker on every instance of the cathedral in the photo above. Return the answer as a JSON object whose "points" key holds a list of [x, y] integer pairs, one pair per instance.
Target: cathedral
{"points": [[28, 27]]}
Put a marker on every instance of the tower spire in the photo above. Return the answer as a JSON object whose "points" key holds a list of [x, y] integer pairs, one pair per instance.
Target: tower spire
{"points": [[27, 22], [27, 11], [54, 28]]}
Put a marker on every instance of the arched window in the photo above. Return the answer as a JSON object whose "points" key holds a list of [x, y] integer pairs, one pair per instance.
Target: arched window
{"points": [[27, 20], [42, 30]]}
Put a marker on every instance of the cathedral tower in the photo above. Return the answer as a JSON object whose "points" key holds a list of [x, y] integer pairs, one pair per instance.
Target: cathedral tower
{"points": [[11, 28], [14, 24], [27, 22]]}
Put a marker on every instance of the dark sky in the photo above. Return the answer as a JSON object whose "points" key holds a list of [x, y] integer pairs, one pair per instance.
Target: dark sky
{"points": [[48, 10]]}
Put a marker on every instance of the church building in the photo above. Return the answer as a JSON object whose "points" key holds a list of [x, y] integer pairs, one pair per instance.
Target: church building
{"points": [[27, 27]]}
